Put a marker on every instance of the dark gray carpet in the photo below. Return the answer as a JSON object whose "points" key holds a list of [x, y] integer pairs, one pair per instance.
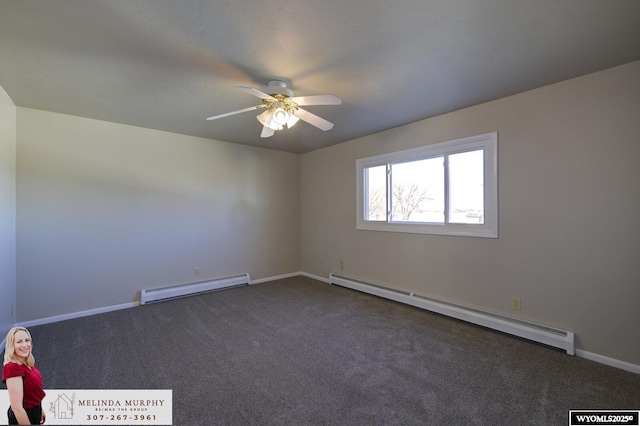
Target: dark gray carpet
{"points": [[301, 352]]}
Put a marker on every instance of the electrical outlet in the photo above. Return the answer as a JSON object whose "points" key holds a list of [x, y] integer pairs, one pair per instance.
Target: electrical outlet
{"points": [[196, 272], [516, 304]]}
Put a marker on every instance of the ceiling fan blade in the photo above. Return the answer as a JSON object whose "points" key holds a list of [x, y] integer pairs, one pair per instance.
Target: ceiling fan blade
{"points": [[317, 100], [313, 119], [226, 114], [254, 92], [267, 132]]}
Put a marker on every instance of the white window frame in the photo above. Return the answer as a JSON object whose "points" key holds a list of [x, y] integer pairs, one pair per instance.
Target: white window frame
{"points": [[489, 229]]}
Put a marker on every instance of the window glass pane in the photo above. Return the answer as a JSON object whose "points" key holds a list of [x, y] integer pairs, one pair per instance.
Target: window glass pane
{"points": [[376, 193], [466, 187], [418, 191], [447, 188]]}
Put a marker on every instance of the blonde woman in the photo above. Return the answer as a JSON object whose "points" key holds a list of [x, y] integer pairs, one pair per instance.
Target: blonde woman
{"points": [[23, 380]]}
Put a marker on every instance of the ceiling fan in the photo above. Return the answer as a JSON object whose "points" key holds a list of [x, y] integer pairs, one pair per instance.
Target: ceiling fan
{"points": [[282, 109]]}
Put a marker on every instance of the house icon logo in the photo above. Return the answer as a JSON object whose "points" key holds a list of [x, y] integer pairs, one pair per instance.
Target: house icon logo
{"points": [[62, 406]]}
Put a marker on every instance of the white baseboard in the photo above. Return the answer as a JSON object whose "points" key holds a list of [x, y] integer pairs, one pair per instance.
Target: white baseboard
{"points": [[627, 366], [276, 277], [315, 277], [289, 275], [80, 314], [608, 361]]}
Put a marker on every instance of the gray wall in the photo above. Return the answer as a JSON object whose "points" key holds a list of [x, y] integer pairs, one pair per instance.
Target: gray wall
{"points": [[7, 212], [569, 207], [105, 210]]}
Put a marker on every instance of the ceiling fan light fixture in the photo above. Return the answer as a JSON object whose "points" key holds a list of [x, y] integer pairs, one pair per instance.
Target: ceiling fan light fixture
{"points": [[292, 120], [281, 109], [266, 119], [281, 116]]}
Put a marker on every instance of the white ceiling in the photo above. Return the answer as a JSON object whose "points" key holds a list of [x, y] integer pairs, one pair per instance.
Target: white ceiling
{"points": [[167, 64]]}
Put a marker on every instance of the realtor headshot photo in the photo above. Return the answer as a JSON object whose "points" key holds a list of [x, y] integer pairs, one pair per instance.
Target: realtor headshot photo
{"points": [[23, 380]]}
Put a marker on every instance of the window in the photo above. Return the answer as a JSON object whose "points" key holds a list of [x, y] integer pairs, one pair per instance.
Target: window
{"points": [[450, 188]]}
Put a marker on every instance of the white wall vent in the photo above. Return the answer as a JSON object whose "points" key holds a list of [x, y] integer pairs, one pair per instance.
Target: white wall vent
{"points": [[182, 290], [558, 338]]}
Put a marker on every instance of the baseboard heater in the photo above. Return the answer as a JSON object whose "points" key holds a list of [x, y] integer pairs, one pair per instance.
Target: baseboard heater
{"points": [[182, 290], [562, 339]]}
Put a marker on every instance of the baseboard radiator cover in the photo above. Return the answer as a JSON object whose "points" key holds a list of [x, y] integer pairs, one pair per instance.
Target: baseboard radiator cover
{"points": [[183, 290], [550, 336]]}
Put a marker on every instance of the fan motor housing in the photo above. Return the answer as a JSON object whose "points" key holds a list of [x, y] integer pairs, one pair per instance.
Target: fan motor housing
{"points": [[278, 87]]}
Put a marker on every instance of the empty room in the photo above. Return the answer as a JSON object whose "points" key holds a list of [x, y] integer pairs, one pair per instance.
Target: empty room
{"points": [[321, 213]]}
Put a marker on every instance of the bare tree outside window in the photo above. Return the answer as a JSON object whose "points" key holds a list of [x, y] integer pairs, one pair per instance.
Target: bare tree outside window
{"points": [[414, 199], [377, 204], [408, 200], [376, 178]]}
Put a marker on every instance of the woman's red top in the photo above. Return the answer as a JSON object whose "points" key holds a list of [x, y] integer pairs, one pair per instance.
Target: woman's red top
{"points": [[32, 382]]}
